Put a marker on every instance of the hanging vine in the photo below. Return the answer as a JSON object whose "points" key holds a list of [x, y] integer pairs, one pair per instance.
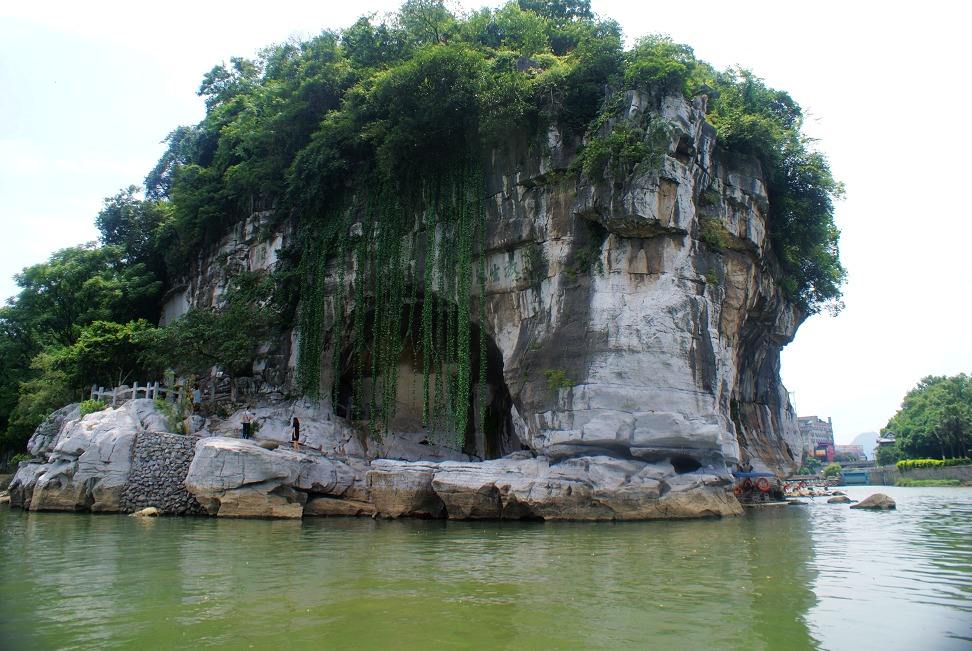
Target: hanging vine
{"points": [[384, 297]]}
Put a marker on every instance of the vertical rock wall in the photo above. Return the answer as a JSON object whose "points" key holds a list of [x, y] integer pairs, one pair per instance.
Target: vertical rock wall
{"points": [[636, 316]]}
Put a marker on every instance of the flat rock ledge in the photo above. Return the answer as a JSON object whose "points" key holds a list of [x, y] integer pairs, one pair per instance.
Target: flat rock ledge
{"points": [[586, 488], [234, 478], [116, 461]]}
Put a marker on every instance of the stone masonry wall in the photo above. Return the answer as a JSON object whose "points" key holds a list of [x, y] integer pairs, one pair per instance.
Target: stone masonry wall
{"points": [[160, 463], [886, 475]]}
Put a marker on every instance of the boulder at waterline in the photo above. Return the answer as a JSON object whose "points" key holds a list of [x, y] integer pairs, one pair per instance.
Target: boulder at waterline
{"points": [[876, 502], [334, 506], [239, 478]]}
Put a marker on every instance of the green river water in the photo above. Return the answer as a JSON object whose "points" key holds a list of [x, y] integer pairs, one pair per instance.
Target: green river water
{"points": [[813, 577]]}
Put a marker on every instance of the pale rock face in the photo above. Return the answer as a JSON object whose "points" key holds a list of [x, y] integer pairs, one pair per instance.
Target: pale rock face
{"points": [[319, 429], [584, 488], [668, 346], [87, 460], [330, 506], [398, 488], [238, 478], [413, 446], [22, 485], [42, 441], [149, 418], [89, 464]]}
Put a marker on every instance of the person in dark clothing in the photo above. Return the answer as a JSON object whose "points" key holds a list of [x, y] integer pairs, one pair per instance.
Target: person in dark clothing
{"points": [[295, 435], [245, 422]]}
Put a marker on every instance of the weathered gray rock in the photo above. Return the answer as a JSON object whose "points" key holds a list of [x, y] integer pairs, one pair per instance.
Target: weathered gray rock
{"points": [[668, 332], [22, 485], [413, 446], [239, 478], [332, 506], [265, 500], [87, 461], [89, 464], [839, 499], [42, 441], [399, 488], [320, 430], [148, 512], [147, 416], [876, 502], [589, 488]]}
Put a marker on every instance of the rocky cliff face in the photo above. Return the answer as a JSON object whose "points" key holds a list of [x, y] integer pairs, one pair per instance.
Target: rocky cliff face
{"points": [[633, 322], [636, 317], [670, 338]]}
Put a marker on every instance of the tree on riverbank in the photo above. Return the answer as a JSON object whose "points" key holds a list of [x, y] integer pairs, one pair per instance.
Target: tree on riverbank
{"points": [[935, 419]]}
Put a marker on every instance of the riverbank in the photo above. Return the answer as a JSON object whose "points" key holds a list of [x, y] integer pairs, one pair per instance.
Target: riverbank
{"points": [[117, 460]]}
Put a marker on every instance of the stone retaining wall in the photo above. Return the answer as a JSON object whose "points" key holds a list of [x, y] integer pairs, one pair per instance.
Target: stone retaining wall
{"points": [[963, 473], [160, 463], [886, 475]]}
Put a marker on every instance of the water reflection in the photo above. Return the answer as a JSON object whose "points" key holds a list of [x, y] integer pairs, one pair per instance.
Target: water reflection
{"points": [[782, 579]]}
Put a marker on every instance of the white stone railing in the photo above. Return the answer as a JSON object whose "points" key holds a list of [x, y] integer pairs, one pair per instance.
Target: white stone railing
{"points": [[211, 390], [123, 393]]}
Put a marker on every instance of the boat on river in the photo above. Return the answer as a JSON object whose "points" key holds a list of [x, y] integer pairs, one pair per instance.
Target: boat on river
{"points": [[757, 489]]}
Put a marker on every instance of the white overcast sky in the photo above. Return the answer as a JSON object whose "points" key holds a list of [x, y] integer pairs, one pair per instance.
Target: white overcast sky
{"points": [[88, 91]]}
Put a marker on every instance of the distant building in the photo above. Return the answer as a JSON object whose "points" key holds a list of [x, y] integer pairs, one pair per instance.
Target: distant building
{"points": [[818, 437], [885, 440], [850, 451]]}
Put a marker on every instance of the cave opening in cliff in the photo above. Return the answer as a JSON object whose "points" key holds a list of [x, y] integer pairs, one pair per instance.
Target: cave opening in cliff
{"points": [[684, 463], [424, 404]]}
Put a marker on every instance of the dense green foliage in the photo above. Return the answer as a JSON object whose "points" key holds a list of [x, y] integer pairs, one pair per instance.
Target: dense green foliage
{"points": [[907, 464], [832, 470], [810, 466], [888, 455], [62, 325], [374, 140], [224, 336], [935, 419], [925, 483], [91, 406]]}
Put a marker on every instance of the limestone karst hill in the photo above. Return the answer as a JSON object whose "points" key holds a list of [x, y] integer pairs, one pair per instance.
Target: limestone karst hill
{"points": [[505, 269]]}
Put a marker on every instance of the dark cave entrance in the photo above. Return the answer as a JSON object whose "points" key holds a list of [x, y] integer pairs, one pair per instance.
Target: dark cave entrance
{"points": [[684, 464], [489, 431]]}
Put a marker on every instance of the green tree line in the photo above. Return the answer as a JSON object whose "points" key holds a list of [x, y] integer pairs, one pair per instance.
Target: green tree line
{"points": [[934, 421], [391, 104]]}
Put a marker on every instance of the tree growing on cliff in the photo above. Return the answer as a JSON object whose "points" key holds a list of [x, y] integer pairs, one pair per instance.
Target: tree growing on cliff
{"points": [[225, 336], [935, 419]]}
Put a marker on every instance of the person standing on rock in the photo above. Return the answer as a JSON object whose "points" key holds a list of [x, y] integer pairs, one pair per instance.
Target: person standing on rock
{"points": [[295, 435], [245, 421]]}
